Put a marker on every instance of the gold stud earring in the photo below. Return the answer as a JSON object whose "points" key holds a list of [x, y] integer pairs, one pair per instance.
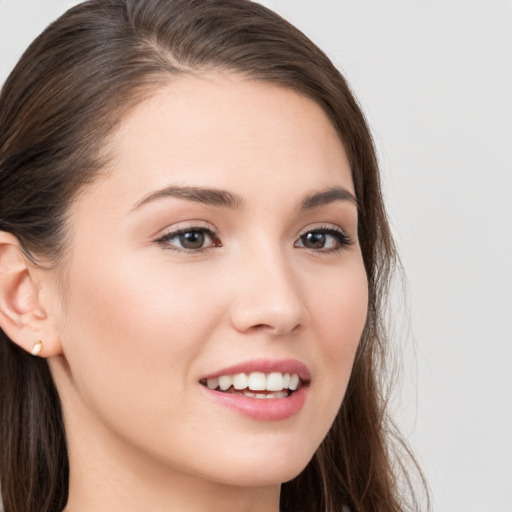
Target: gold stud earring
{"points": [[37, 347]]}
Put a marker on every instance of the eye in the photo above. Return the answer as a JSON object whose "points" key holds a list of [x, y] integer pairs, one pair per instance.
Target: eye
{"points": [[190, 239], [324, 239]]}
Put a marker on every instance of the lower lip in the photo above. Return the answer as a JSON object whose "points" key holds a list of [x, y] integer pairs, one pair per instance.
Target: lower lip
{"points": [[262, 409]]}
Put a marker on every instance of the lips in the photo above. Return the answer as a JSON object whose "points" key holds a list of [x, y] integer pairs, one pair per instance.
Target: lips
{"points": [[265, 366], [263, 389]]}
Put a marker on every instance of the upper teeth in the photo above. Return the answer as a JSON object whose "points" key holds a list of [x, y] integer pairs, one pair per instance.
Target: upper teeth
{"points": [[256, 381]]}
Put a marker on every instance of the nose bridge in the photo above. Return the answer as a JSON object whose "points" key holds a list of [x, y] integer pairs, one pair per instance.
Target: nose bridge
{"points": [[268, 295]]}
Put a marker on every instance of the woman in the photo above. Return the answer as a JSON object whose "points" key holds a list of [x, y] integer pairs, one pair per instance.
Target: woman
{"points": [[193, 257]]}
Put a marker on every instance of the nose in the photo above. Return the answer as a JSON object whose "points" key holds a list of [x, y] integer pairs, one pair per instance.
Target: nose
{"points": [[267, 296]]}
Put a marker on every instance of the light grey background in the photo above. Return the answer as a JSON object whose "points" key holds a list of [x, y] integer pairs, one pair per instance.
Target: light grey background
{"points": [[435, 79]]}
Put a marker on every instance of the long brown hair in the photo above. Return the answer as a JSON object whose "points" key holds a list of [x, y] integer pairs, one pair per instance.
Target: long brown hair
{"points": [[69, 91]]}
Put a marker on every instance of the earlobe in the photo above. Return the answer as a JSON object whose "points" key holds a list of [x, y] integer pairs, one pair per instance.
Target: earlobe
{"points": [[37, 347], [22, 316]]}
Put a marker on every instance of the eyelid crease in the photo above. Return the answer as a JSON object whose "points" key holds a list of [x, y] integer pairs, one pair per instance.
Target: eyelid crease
{"points": [[194, 225], [325, 228], [322, 227], [181, 231]]}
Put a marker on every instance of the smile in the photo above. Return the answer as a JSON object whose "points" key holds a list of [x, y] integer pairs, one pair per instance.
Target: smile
{"points": [[256, 384], [261, 389]]}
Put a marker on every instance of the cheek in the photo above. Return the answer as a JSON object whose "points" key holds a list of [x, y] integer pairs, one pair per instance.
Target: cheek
{"points": [[339, 318], [340, 308], [131, 333], [131, 307]]}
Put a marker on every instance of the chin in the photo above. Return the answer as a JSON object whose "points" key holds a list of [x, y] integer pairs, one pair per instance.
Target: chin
{"points": [[260, 470], [263, 476]]}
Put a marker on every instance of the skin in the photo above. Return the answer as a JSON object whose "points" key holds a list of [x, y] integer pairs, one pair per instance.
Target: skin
{"points": [[131, 324]]}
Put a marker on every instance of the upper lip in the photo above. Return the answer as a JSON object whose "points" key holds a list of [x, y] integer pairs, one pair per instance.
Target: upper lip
{"points": [[265, 366]]}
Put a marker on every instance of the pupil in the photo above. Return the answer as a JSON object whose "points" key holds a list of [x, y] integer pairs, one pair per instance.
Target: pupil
{"points": [[192, 240], [315, 240]]}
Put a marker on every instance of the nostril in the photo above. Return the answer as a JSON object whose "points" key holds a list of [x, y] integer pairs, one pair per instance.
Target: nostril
{"points": [[277, 328], [273, 311]]}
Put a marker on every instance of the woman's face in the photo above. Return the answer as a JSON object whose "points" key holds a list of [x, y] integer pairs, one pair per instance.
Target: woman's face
{"points": [[222, 241]]}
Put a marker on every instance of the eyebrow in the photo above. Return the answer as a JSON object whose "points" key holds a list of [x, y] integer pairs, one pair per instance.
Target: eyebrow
{"points": [[225, 199], [325, 197], [210, 196]]}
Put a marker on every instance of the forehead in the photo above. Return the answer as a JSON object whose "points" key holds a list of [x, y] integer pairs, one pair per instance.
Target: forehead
{"points": [[226, 130]]}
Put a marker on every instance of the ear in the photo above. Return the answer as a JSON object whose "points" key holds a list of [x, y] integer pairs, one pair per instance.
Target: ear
{"points": [[23, 316]]}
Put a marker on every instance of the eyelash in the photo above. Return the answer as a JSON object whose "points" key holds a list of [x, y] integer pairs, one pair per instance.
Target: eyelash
{"points": [[342, 239], [165, 239]]}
